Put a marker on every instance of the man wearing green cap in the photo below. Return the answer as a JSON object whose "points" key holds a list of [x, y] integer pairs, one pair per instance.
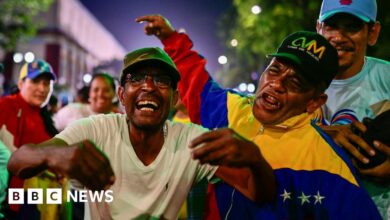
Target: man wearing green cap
{"points": [[149, 163], [360, 89], [315, 179]]}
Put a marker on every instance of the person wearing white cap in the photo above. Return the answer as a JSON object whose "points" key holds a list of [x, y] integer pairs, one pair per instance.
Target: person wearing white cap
{"points": [[361, 87]]}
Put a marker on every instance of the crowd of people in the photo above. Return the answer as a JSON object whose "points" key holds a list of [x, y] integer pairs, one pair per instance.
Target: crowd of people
{"points": [[291, 151]]}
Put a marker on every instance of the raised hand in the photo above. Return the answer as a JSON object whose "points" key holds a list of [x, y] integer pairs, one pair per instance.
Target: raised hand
{"points": [[156, 25]]}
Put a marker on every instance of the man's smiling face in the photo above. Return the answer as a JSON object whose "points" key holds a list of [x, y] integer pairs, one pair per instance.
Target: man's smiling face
{"points": [[147, 96]]}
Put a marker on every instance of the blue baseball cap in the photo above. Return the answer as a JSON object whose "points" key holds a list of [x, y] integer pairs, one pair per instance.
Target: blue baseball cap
{"points": [[364, 9], [34, 69]]}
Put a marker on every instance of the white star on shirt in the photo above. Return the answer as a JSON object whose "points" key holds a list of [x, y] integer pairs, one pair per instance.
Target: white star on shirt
{"points": [[304, 198], [285, 195], [318, 198]]}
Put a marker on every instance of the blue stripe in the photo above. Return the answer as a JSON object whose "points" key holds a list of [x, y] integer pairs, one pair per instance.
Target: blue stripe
{"points": [[213, 112], [341, 199]]}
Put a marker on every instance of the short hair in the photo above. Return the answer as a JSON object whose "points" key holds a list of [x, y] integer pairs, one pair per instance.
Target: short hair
{"points": [[107, 77]]}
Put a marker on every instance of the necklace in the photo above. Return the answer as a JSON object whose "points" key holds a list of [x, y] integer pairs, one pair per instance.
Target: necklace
{"points": [[165, 130]]}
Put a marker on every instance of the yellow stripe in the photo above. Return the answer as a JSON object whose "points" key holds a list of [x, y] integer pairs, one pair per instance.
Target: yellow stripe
{"points": [[297, 149]]}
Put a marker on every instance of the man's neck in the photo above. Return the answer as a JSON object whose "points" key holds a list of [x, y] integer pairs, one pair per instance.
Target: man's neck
{"points": [[147, 143], [351, 71]]}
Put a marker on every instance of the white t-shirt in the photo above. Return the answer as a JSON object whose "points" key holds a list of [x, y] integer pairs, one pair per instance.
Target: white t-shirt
{"points": [[351, 99], [154, 191], [70, 113]]}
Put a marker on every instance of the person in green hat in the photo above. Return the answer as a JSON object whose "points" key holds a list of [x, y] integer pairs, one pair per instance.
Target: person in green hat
{"points": [[148, 162]]}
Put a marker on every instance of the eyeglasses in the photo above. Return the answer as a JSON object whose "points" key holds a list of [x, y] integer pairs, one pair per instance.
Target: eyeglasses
{"points": [[137, 79]]}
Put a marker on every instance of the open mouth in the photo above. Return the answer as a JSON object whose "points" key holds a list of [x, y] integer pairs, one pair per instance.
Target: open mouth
{"points": [[270, 102], [146, 105], [341, 49]]}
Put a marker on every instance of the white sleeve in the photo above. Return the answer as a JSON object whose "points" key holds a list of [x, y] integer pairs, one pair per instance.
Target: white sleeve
{"points": [[78, 131], [205, 170]]}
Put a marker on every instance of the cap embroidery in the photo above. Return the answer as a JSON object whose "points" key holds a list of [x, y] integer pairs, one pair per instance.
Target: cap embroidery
{"points": [[34, 65], [311, 47], [345, 2]]}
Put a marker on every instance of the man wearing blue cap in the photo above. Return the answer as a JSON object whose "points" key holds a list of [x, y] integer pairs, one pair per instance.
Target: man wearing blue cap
{"points": [[21, 122], [361, 86]]}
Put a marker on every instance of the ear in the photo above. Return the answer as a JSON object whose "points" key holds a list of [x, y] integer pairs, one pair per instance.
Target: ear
{"points": [[373, 33], [316, 102], [20, 84], [318, 26], [121, 92], [175, 98]]}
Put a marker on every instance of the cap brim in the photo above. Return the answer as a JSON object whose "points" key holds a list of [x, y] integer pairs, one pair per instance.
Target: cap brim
{"points": [[38, 73], [172, 72], [331, 13], [288, 56]]}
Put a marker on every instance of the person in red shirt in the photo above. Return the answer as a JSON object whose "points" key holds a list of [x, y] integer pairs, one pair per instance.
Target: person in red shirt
{"points": [[22, 121]]}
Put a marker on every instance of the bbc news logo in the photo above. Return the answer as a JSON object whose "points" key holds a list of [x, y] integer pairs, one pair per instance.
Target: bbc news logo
{"points": [[54, 196]]}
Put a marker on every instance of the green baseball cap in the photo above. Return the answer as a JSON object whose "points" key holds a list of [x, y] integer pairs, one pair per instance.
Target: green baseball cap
{"points": [[312, 54], [150, 56]]}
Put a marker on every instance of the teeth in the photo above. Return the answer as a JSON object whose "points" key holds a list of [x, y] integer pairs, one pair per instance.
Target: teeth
{"points": [[147, 109], [271, 102], [148, 103], [147, 106], [272, 99]]}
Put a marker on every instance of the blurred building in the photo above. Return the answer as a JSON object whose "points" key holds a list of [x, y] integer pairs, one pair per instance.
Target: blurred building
{"points": [[73, 41]]}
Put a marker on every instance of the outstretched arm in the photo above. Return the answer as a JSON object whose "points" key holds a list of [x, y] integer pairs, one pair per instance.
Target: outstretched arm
{"points": [[241, 163], [81, 161], [204, 99]]}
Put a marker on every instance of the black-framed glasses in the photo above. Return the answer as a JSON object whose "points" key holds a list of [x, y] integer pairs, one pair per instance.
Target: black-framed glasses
{"points": [[137, 79]]}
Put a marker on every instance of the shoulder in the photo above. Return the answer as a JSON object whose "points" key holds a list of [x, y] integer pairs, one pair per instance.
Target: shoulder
{"points": [[73, 106], [8, 104], [70, 109], [185, 128], [108, 119], [377, 61], [9, 100], [100, 121], [377, 65]]}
